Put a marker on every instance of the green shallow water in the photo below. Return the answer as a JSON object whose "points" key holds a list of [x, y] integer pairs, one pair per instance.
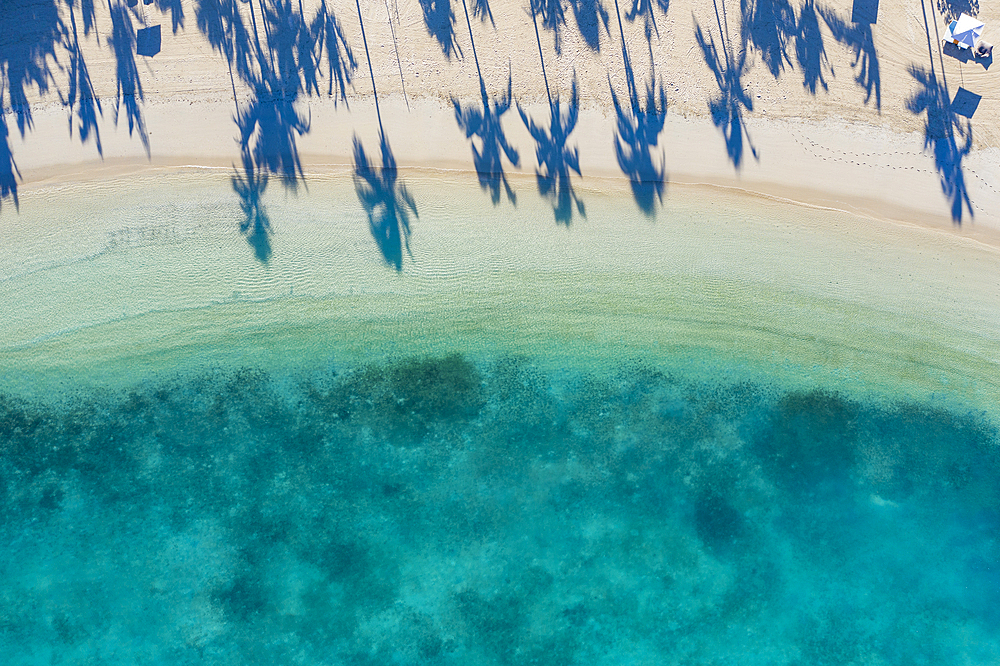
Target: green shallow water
{"points": [[745, 432]]}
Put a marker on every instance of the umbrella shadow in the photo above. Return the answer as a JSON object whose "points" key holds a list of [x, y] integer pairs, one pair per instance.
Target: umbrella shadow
{"points": [[770, 27], [727, 107], [386, 201], [858, 37], [556, 161], [487, 126]]}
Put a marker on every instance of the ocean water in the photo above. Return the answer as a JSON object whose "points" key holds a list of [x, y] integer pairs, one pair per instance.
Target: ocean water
{"points": [[743, 432]]}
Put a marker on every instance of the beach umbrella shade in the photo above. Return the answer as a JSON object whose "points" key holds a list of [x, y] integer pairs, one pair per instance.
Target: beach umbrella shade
{"points": [[965, 31]]}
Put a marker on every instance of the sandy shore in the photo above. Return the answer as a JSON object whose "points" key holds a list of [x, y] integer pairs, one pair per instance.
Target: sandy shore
{"points": [[815, 108]]}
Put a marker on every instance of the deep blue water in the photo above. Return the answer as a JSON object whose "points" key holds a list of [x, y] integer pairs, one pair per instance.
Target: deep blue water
{"points": [[444, 511]]}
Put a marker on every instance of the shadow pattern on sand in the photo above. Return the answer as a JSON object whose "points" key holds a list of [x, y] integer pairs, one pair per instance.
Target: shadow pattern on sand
{"points": [[590, 16], [646, 9], [440, 21], [728, 106], [35, 40], [556, 160], [946, 134], [858, 37]]}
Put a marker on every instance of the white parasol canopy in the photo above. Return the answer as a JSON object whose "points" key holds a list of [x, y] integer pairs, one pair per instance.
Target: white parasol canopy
{"points": [[964, 32]]}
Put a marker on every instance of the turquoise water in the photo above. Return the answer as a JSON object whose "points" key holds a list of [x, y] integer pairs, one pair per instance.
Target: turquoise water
{"points": [[747, 432]]}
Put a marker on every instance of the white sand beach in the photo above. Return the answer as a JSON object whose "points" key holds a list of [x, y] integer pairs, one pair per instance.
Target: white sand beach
{"points": [[818, 109]]}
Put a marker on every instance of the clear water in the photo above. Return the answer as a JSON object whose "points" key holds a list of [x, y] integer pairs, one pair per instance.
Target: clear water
{"points": [[743, 433]]}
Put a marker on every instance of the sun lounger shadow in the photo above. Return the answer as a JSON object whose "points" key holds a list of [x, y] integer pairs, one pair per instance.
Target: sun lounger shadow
{"points": [[148, 41], [555, 159], [864, 11], [965, 103]]}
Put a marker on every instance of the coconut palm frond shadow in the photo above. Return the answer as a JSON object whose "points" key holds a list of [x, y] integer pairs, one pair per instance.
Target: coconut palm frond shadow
{"points": [[481, 8], [486, 124], [32, 38], [952, 9], [81, 95], [770, 27], [269, 126], [555, 159], [176, 9], [646, 9], [637, 134], [255, 225], [809, 49], [727, 108], [440, 21], [386, 201], [553, 16], [947, 135], [590, 16], [858, 37], [341, 63]]}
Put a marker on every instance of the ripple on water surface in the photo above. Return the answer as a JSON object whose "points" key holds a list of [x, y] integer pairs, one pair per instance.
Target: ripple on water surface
{"points": [[694, 441]]}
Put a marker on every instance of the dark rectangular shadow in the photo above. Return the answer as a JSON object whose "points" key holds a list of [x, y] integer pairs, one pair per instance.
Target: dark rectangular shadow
{"points": [[865, 11], [965, 103], [147, 41], [952, 50]]}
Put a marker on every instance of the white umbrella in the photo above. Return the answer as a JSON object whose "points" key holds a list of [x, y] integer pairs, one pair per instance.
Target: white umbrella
{"points": [[965, 31]]}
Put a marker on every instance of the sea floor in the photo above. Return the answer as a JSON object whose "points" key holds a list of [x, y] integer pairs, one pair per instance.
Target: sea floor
{"points": [[741, 432]]}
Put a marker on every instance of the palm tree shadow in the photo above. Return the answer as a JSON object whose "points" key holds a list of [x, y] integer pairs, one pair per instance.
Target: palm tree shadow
{"points": [[590, 16], [553, 18], [770, 26], [255, 225], [858, 36], [645, 9], [440, 21], [129, 86], [328, 32], [727, 108], [637, 134], [555, 160], [387, 201], [809, 49], [81, 94], [948, 136], [487, 126]]}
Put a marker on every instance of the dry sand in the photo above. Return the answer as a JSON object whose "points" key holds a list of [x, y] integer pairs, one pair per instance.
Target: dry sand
{"points": [[827, 116]]}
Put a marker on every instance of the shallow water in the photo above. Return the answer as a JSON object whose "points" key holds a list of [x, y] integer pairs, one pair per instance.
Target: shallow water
{"points": [[745, 432]]}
